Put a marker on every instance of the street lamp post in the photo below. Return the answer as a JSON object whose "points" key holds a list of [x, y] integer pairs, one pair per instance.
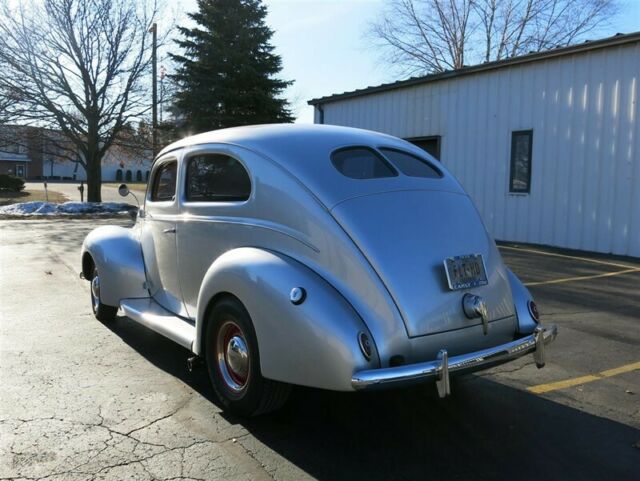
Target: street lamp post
{"points": [[154, 66]]}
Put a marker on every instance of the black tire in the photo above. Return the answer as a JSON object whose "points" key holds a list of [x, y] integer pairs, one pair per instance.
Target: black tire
{"points": [[244, 391], [103, 312]]}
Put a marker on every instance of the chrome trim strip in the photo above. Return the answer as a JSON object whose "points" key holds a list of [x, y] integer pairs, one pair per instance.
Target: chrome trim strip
{"points": [[411, 373], [280, 229]]}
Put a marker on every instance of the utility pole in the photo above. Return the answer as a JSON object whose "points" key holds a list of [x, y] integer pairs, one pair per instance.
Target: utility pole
{"points": [[154, 108], [163, 72]]}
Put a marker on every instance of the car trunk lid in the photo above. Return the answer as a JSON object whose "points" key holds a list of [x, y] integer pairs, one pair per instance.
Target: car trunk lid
{"points": [[406, 236]]}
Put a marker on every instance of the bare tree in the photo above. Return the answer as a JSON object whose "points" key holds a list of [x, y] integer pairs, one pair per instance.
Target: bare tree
{"points": [[424, 36], [78, 68]]}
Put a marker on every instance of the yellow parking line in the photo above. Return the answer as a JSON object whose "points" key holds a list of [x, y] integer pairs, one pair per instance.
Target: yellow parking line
{"points": [[554, 254], [582, 278], [620, 370], [554, 386]]}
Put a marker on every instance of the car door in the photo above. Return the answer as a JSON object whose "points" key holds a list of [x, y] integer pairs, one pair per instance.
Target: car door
{"points": [[158, 236], [217, 188]]}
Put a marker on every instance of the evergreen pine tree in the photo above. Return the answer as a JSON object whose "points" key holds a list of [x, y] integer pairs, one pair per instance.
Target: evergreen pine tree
{"points": [[226, 74]]}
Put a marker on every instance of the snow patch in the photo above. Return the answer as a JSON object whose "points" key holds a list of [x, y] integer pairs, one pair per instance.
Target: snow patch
{"points": [[66, 208]]}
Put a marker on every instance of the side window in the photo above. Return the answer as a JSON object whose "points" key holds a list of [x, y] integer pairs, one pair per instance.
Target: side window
{"points": [[411, 165], [361, 163], [164, 182], [521, 147], [216, 178]]}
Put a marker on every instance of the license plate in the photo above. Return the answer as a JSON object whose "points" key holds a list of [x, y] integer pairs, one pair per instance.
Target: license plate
{"points": [[464, 272]]}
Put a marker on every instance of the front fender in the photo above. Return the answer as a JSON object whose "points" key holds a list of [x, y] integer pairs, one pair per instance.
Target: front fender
{"points": [[314, 343], [117, 254], [521, 298]]}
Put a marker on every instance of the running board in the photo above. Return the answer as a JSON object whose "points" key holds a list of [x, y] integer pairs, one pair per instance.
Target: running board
{"points": [[152, 315]]}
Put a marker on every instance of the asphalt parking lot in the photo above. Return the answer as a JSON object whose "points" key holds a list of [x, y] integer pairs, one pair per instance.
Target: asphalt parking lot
{"points": [[84, 400]]}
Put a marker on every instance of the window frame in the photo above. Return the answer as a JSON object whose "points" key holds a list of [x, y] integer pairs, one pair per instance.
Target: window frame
{"points": [[514, 135], [185, 184], [375, 152], [157, 169]]}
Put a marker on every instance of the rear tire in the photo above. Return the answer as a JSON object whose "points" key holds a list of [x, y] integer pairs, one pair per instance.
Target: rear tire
{"points": [[233, 362], [103, 312]]}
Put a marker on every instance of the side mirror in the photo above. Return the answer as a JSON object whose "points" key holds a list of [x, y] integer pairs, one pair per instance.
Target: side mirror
{"points": [[123, 190]]}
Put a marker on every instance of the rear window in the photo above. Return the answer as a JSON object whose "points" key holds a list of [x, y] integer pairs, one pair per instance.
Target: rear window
{"points": [[411, 165], [361, 163]]}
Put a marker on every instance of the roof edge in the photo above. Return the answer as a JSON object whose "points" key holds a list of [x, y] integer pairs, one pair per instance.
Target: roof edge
{"points": [[615, 40]]}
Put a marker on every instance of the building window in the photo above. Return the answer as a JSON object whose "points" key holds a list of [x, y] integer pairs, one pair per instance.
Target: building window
{"points": [[430, 145], [520, 176], [217, 178]]}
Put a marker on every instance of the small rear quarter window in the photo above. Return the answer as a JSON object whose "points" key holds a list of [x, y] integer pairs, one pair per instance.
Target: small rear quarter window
{"points": [[411, 165], [361, 163]]}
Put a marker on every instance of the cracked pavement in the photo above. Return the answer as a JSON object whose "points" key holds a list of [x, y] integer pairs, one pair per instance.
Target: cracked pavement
{"points": [[82, 400]]}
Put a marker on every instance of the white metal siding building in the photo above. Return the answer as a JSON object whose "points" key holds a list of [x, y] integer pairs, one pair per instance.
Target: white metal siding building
{"points": [[567, 118]]}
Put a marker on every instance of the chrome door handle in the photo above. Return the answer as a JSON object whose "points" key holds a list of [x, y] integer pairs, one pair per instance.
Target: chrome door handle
{"points": [[170, 231]]}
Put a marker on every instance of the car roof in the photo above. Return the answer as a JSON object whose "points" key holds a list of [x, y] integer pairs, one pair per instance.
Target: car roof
{"points": [[287, 134], [305, 150]]}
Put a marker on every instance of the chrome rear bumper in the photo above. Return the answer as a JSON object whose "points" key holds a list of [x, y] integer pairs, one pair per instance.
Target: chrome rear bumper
{"points": [[443, 365]]}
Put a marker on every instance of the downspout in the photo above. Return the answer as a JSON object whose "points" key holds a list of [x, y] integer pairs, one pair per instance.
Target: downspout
{"points": [[320, 113]]}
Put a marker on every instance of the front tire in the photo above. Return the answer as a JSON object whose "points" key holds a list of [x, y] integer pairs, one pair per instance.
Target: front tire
{"points": [[233, 362], [103, 312]]}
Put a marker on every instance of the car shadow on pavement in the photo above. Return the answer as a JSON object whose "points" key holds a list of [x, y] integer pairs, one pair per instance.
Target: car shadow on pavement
{"points": [[486, 430]]}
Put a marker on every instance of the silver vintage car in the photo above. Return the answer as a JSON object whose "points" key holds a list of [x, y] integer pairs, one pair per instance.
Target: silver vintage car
{"points": [[314, 255]]}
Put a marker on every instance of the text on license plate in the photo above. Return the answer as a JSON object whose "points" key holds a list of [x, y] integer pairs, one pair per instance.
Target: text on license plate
{"points": [[464, 272]]}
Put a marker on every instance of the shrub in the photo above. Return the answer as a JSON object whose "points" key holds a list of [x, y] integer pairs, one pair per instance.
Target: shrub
{"points": [[119, 175], [139, 176], [11, 183], [128, 176]]}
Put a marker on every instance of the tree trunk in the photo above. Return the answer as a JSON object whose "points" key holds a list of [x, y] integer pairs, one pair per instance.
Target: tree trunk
{"points": [[94, 176]]}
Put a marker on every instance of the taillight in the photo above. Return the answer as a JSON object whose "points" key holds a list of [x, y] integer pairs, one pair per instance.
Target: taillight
{"points": [[533, 310], [365, 345]]}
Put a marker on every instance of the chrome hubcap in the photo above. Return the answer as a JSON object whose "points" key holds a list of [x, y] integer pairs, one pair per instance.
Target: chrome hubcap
{"points": [[233, 356], [238, 357], [95, 292]]}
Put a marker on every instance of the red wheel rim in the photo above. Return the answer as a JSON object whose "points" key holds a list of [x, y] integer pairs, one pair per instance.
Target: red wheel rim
{"points": [[232, 355]]}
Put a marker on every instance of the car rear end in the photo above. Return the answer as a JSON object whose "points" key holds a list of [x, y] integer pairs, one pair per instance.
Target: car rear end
{"points": [[461, 308], [425, 239]]}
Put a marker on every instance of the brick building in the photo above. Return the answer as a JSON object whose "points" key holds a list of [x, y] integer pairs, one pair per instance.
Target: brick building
{"points": [[34, 153], [21, 151]]}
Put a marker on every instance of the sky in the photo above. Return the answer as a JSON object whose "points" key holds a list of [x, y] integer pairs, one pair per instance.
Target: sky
{"points": [[325, 48]]}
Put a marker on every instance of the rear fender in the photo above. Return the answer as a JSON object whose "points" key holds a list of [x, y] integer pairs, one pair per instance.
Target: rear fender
{"points": [[521, 298], [117, 254], [314, 343]]}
